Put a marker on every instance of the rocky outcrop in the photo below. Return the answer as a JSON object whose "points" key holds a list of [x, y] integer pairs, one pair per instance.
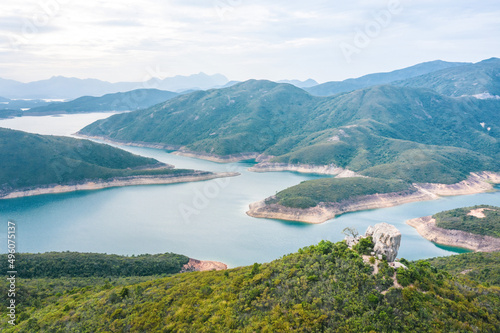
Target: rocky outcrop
{"points": [[386, 240], [195, 265], [475, 183], [117, 182], [330, 169], [426, 227]]}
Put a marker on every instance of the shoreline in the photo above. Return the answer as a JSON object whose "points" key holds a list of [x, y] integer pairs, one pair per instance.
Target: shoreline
{"points": [[324, 211], [177, 150], [331, 169], [426, 227], [117, 182]]}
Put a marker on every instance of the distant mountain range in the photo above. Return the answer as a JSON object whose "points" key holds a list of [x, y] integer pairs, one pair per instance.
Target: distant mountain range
{"points": [[59, 87], [335, 87], [481, 80], [301, 84], [127, 101]]}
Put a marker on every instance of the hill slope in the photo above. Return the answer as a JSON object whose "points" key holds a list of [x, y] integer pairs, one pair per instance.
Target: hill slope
{"points": [[32, 161], [323, 288], [127, 101], [481, 79], [335, 87], [383, 131]]}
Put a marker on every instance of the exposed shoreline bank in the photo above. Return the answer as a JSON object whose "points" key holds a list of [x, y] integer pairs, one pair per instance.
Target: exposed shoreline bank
{"points": [[426, 227], [475, 183], [332, 170], [117, 182]]}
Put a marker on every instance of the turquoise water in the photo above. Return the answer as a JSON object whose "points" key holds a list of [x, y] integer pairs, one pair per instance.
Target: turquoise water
{"points": [[204, 220]]}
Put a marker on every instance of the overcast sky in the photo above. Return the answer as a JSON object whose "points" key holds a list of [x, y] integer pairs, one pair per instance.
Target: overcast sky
{"points": [[130, 40]]}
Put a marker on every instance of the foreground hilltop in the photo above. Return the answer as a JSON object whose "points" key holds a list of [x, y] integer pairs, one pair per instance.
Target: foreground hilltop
{"points": [[327, 288], [37, 164]]}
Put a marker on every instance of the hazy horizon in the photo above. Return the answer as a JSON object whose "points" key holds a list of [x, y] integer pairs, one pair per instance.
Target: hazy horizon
{"points": [[124, 41]]}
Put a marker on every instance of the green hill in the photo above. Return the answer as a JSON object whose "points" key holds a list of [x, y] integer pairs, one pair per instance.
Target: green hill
{"points": [[31, 160], [126, 101], [322, 288], [471, 79], [336, 87], [384, 131], [480, 267], [485, 222]]}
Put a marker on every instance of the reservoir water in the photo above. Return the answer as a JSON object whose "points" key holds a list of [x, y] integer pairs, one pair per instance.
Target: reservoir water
{"points": [[203, 220]]}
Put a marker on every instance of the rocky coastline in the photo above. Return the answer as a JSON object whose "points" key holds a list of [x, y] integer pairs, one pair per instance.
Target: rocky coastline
{"points": [[116, 182], [304, 168], [475, 183], [426, 227]]}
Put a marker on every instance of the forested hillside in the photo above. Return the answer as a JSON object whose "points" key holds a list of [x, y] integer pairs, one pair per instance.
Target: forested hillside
{"points": [[322, 288], [384, 131], [32, 160]]}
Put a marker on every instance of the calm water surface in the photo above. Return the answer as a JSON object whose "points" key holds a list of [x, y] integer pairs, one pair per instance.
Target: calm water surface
{"points": [[203, 220]]}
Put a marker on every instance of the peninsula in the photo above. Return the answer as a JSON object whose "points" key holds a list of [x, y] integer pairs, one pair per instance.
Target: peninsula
{"points": [[475, 228], [317, 201], [35, 164]]}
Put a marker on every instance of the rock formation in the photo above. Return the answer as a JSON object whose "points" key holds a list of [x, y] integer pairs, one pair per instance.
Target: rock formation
{"points": [[386, 240]]}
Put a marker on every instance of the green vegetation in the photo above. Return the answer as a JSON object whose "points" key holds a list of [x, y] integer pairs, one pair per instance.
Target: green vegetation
{"points": [[31, 160], [322, 288], [470, 79], [122, 101], [6, 113], [310, 193], [335, 87], [74, 264], [480, 267], [458, 219], [386, 132]]}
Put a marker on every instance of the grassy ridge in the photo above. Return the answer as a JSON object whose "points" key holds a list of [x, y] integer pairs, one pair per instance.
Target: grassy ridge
{"points": [[325, 288], [310, 193], [458, 219], [31, 160]]}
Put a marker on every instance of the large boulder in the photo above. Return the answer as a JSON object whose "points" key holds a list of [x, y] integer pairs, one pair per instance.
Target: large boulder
{"points": [[386, 240]]}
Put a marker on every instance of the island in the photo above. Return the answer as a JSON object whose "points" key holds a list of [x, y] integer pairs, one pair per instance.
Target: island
{"points": [[35, 164], [475, 228]]}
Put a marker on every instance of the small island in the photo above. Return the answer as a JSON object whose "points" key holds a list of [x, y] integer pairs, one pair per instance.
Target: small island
{"points": [[475, 228]]}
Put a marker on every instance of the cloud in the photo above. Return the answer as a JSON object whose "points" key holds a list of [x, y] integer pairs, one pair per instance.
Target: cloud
{"points": [[239, 38]]}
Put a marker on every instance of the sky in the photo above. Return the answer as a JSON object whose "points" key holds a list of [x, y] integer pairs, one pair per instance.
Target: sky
{"points": [[125, 40]]}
